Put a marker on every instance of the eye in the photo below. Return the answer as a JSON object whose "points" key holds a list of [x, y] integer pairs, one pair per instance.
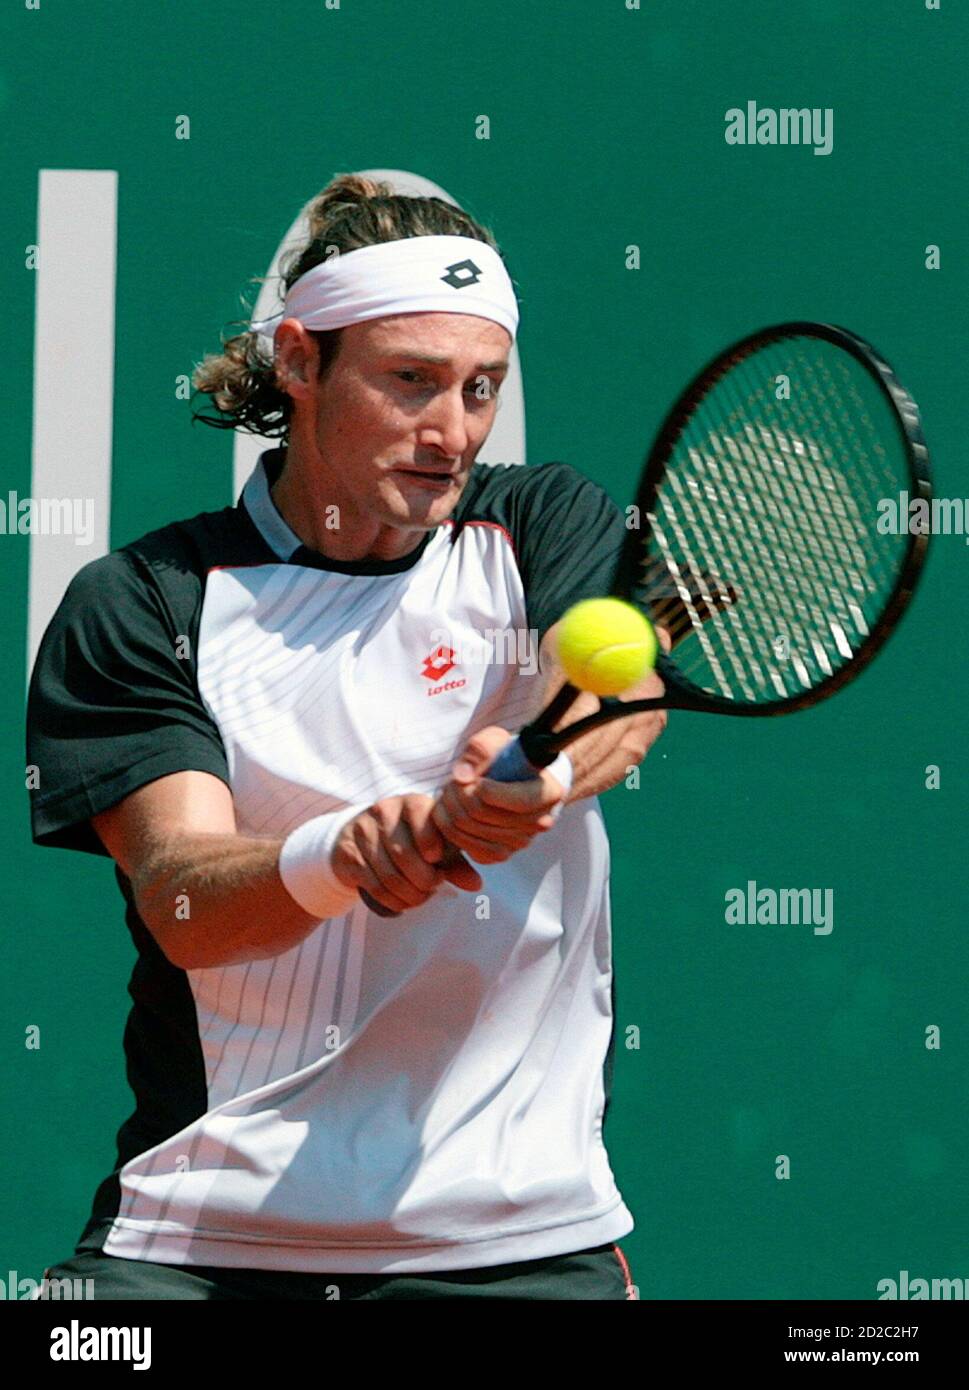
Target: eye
{"points": [[493, 388], [413, 378]]}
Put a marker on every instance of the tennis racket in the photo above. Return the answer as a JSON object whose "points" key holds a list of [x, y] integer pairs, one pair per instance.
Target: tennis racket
{"points": [[753, 535]]}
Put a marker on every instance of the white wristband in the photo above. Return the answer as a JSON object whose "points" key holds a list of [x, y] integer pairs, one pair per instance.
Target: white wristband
{"points": [[563, 771], [306, 869]]}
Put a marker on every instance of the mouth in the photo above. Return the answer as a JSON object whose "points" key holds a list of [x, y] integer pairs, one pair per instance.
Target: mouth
{"points": [[429, 477]]}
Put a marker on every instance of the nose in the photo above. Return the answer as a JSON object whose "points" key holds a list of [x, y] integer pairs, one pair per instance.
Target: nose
{"points": [[444, 423]]}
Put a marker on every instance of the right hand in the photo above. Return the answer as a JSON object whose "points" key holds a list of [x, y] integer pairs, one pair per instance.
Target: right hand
{"points": [[396, 852]]}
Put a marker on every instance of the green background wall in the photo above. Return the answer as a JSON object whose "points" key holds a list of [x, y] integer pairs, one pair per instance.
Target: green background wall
{"points": [[607, 130]]}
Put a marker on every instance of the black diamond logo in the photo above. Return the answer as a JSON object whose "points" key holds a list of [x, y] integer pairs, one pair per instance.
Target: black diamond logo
{"points": [[456, 280]]}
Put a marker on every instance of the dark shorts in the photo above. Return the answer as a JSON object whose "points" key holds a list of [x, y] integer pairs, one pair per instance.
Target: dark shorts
{"points": [[599, 1273]]}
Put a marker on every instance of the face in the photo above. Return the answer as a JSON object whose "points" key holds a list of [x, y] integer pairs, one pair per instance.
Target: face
{"points": [[397, 433]]}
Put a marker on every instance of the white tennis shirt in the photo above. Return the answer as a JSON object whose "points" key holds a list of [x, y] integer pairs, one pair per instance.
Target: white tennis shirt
{"points": [[412, 1094]]}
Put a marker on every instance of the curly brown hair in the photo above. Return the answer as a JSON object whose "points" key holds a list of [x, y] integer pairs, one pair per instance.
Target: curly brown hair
{"points": [[350, 213]]}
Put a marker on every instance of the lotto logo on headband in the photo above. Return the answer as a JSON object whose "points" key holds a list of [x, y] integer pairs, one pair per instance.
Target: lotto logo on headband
{"points": [[451, 278]]}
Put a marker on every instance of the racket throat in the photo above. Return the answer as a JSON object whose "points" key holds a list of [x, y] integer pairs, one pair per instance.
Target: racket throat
{"points": [[541, 747]]}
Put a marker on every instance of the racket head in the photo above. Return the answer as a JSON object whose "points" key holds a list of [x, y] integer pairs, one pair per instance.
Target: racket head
{"points": [[756, 543]]}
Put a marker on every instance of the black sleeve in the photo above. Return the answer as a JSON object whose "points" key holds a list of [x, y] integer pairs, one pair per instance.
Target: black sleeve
{"points": [[569, 539], [113, 702]]}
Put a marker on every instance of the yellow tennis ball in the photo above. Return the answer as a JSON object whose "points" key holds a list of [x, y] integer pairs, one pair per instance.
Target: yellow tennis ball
{"points": [[606, 645]]}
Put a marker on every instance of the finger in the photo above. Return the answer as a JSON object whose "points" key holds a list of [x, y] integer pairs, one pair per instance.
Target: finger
{"points": [[500, 803], [486, 851], [535, 796], [462, 874], [502, 836], [393, 834], [369, 881], [430, 843], [391, 878], [403, 853], [480, 752], [513, 832], [455, 868]]}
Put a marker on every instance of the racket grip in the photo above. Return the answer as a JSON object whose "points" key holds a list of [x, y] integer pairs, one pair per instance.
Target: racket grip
{"points": [[511, 765]]}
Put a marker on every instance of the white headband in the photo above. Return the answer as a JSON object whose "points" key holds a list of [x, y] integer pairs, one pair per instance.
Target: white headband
{"points": [[453, 274]]}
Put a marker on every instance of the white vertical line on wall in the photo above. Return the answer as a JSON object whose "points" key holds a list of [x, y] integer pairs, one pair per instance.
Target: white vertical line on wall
{"points": [[505, 443], [73, 376]]}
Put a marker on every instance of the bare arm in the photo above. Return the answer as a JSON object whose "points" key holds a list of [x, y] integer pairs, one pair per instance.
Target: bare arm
{"points": [[208, 895]]}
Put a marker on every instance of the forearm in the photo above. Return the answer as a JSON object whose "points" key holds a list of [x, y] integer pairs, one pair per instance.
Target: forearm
{"points": [[214, 899]]}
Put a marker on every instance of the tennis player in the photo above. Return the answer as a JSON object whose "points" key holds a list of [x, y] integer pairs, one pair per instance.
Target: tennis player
{"points": [[260, 711]]}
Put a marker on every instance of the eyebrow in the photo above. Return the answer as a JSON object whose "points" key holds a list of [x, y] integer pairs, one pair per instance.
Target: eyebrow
{"points": [[404, 356]]}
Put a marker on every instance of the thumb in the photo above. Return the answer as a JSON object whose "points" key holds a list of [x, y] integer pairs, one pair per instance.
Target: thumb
{"points": [[479, 753]]}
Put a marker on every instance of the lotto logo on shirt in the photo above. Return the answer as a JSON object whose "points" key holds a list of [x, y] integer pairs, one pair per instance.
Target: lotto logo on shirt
{"points": [[437, 664]]}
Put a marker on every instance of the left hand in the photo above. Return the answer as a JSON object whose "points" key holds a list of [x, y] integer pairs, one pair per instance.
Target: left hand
{"points": [[490, 820]]}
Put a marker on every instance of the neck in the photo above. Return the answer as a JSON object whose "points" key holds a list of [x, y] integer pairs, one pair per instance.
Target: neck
{"points": [[326, 520]]}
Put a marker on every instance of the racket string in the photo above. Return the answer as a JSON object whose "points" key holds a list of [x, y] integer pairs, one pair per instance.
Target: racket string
{"points": [[728, 484], [810, 514], [761, 542]]}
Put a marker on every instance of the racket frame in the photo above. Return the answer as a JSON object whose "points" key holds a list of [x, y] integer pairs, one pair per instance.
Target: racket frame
{"points": [[680, 692]]}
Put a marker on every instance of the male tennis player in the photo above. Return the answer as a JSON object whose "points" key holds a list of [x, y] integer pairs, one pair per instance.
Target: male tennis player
{"points": [[252, 711]]}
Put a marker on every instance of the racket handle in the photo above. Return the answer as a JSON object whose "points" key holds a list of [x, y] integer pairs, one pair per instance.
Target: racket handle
{"points": [[511, 765]]}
